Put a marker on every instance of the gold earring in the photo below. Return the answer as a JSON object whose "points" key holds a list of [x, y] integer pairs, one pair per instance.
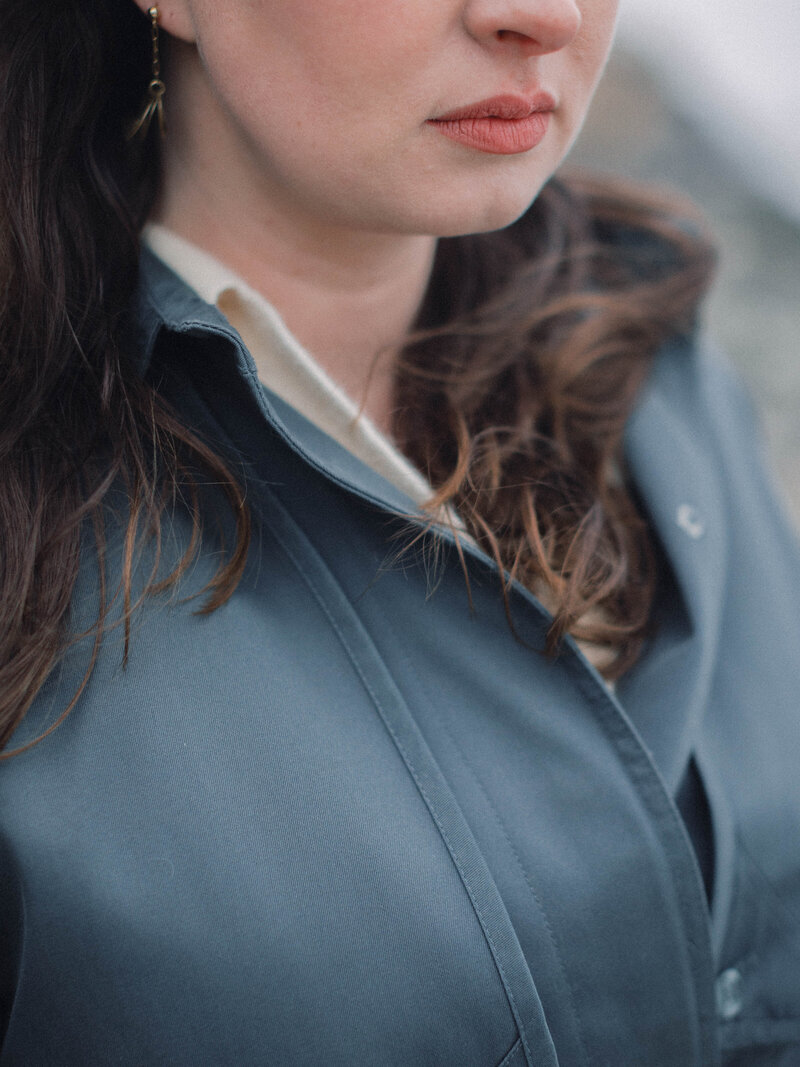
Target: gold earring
{"points": [[155, 90]]}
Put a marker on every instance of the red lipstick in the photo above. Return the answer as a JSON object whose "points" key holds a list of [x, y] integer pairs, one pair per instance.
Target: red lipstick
{"points": [[502, 125]]}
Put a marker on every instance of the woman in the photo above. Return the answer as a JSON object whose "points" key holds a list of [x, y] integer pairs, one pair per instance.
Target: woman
{"points": [[428, 700]]}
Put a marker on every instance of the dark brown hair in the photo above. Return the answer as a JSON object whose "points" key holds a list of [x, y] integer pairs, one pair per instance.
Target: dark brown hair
{"points": [[513, 395]]}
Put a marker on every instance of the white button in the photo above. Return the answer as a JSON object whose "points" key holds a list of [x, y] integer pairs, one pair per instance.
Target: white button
{"points": [[729, 993], [689, 520]]}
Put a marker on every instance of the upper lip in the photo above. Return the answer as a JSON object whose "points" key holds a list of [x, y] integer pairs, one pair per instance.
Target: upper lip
{"points": [[504, 106]]}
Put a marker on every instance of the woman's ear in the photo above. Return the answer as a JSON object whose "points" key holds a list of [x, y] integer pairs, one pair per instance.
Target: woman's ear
{"points": [[174, 17]]}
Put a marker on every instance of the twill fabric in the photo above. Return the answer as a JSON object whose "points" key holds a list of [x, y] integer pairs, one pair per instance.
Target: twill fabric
{"points": [[351, 819]]}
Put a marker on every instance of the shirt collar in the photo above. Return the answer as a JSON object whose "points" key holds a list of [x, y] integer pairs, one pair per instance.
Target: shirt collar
{"points": [[284, 364], [210, 278], [162, 301], [672, 462], [164, 304]]}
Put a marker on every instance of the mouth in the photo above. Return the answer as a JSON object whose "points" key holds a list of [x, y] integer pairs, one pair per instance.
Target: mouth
{"points": [[501, 125]]}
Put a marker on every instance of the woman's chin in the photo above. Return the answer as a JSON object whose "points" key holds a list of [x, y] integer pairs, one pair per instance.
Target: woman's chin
{"points": [[474, 218], [482, 206]]}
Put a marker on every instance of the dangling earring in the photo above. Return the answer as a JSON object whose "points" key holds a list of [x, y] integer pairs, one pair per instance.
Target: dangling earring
{"points": [[155, 90]]}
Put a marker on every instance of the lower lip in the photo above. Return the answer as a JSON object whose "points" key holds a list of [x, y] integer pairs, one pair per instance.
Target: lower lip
{"points": [[499, 137]]}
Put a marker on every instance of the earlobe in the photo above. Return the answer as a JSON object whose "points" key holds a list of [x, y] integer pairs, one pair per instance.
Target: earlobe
{"points": [[174, 17]]}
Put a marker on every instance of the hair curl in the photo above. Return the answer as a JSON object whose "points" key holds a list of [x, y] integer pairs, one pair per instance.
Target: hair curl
{"points": [[514, 394]]}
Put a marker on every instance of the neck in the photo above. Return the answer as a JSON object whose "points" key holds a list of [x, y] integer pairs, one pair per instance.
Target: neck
{"points": [[349, 296], [350, 311]]}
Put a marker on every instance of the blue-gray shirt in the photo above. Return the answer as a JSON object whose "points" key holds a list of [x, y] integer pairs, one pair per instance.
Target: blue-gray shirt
{"points": [[346, 820]]}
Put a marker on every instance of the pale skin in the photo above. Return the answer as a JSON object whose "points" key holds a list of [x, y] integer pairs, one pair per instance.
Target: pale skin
{"points": [[300, 153]]}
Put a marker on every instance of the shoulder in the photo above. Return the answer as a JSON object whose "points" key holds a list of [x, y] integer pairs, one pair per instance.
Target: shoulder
{"points": [[697, 377], [697, 413]]}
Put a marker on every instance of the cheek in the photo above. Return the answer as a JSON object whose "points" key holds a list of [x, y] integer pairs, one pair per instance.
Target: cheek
{"points": [[582, 65], [597, 31], [589, 51], [318, 53]]}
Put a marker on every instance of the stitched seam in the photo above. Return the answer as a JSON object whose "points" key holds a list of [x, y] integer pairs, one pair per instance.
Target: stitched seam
{"points": [[643, 774], [409, 764], [511, 1054], [554, 941]]}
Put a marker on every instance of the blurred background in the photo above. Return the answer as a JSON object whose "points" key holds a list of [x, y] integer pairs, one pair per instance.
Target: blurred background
{"points": [[705, 97]]}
